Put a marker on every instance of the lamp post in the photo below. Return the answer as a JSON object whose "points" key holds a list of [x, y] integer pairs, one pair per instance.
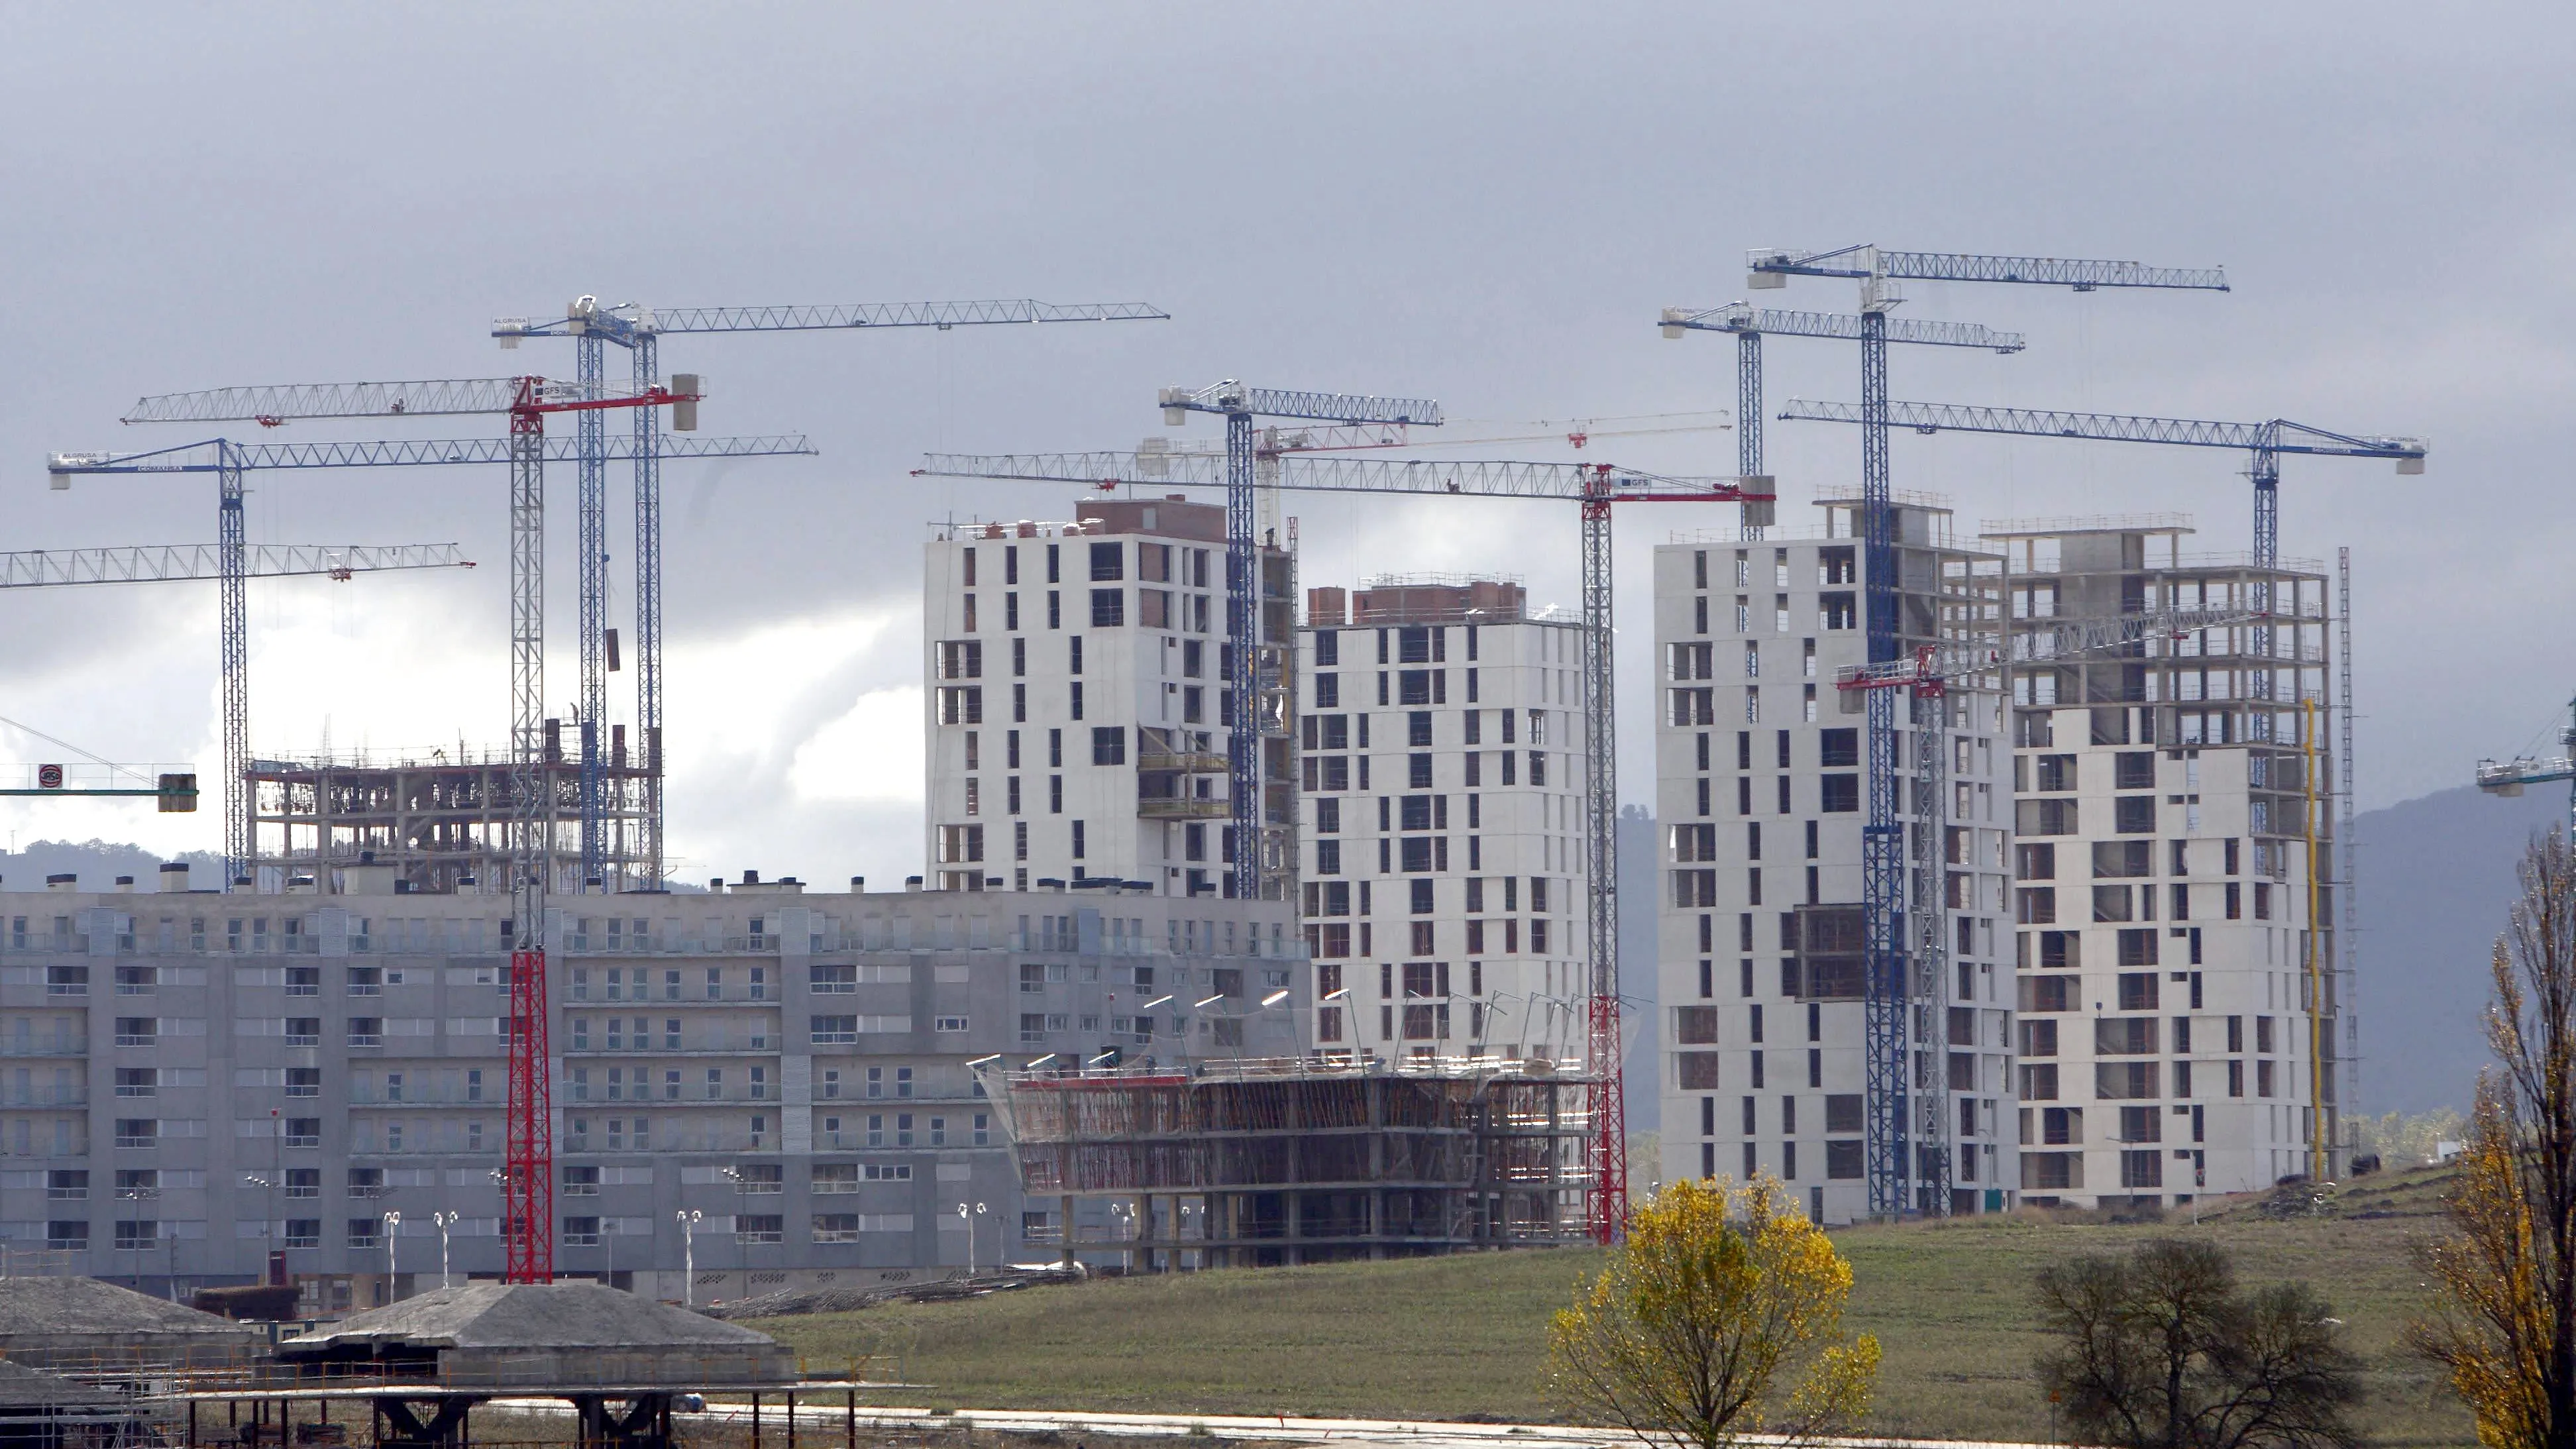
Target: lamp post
{"points": [[445, 1220], [965, 1214], [689, 1218], [393, 1269]]}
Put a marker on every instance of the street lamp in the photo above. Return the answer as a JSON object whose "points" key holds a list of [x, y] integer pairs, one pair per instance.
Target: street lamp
{"points": [[689, 1218], [445, 1220], [150, 1194], [393, 1270], [963, 1209]]}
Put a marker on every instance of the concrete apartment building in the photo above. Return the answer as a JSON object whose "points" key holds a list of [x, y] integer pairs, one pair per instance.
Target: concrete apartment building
{"points": [[1440, 807], [1077, 702], [1760, 800], [2169, 1024], [190, 1080]]}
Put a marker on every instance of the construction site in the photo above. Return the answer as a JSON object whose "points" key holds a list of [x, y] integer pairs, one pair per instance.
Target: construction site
{"points": [[1256, 1164], [1303, 946]]}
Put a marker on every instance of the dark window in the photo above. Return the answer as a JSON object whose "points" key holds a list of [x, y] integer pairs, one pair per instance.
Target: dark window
{"points": [[1328, 647], [1838, 748], [1109, 745], [1843, 1158], [2134, 770], [1108, 561], [1840, 793], [2134, 814], [1108, 608]]}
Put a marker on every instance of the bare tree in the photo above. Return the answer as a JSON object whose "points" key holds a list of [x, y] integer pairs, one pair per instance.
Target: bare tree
{"points": [[2162, 1349], [2504, 1320]]}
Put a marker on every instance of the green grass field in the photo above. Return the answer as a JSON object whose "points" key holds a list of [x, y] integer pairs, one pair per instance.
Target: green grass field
{"points": [[1449, 1338]]}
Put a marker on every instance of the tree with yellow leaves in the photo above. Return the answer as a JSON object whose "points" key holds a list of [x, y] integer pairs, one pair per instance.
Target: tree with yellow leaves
{"points": [[2504, 1320], [1719, 1317]]}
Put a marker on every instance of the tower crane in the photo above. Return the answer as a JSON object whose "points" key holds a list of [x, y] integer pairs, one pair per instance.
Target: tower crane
{"points": [[167, 563], [1749, 324], [1596, 487], [528, 1178], [229, 461], [1877, 269], [593, 328], [1929, 919], [1246, 657]]}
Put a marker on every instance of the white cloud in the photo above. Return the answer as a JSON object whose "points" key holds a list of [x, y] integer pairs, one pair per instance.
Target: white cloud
{"points": [[872, 753]]}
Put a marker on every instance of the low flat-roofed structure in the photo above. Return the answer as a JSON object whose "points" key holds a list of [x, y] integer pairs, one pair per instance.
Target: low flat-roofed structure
{"points": [[82, 1323], [541, 1336]]}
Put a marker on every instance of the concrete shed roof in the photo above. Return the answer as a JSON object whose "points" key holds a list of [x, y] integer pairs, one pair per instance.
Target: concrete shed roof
{"points": [[531, 1316], [55, 1309], [546, 1337]]}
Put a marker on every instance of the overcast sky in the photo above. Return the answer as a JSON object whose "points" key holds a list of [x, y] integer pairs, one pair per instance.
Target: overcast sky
{"points": [[1484, 204]]}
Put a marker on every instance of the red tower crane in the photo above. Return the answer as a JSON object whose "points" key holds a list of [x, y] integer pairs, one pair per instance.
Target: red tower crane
{"points": [[528, 1181]]}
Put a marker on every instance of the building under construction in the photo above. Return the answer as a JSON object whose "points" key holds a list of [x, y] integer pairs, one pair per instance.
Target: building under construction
{"points": [[1286, 1161], [443, 823]]}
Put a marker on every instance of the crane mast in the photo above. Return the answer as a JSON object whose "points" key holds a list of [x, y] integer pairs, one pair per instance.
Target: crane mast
{"points": [[1257, 668]]}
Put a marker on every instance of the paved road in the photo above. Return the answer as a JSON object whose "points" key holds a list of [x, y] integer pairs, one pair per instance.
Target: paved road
{"points": [[825, 1419]]}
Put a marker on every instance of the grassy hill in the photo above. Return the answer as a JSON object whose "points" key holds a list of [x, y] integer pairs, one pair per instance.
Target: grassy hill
{"points": [[1450, 1338]]}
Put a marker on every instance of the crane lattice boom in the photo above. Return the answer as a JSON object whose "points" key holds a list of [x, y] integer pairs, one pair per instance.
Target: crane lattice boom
{"points": [[941, 315], [1233, 399], [1938, 663], [1868, 261], [403, 453], [1563, 482], [164, 563], [1742, 318], [2278, 435], [438, 397]]}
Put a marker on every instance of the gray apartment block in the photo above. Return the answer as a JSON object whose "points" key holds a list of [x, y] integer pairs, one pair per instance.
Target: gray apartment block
{"points": [[190, 1080]]}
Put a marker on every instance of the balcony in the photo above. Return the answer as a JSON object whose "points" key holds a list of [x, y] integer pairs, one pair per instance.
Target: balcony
{"points": [[1188, 764], [1154, 807]]}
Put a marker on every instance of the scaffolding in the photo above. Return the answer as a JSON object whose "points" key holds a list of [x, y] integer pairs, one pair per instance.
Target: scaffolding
{"points": [[442, 823], [1281, 1161]]}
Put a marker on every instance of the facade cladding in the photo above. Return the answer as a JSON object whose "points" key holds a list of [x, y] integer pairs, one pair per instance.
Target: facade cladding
{"points": [[1761, 792], [2170, 1024], [193, 1080], [1077, 703], [1441, 817]]}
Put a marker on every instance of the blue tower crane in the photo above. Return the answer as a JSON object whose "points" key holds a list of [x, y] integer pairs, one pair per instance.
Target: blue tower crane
{"points": [[593, 328], [1249, 676], [230, 461], [1882, 837], [1931, 1162]]}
